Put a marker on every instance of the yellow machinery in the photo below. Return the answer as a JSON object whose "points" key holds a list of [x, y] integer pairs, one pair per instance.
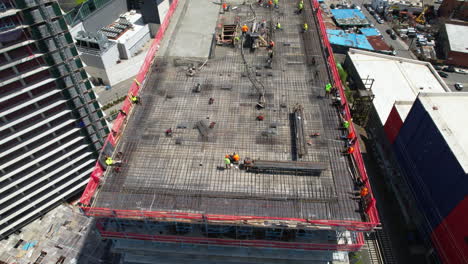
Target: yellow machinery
{"points": [[421, 19]]}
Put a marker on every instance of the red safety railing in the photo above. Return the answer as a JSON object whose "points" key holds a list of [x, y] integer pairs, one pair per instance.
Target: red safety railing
{"points": [[371, 209], [98, 172], [354, 246], [168, 215]]}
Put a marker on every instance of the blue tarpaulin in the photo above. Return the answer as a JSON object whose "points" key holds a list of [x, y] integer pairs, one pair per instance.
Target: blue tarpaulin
{"points": [[339, 37], [347, 13], [370, 32], [349, 17]]}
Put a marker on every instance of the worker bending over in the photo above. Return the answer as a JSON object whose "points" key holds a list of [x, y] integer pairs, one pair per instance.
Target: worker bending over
{"points": [[305, 27]]}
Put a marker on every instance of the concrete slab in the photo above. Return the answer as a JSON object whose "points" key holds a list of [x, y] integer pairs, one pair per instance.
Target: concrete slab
{"points": [[192, 34]]}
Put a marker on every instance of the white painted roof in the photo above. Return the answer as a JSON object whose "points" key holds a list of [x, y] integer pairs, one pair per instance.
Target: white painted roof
{"points": [[403, 108], [396, 78], [458, 37], [448, 110]]}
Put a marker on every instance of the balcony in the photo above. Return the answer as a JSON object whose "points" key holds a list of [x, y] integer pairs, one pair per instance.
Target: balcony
{"points": [[36, 210], [18, 179], [60, 177], [36, 152], [27, 165], [22, 76], [19, 61]]}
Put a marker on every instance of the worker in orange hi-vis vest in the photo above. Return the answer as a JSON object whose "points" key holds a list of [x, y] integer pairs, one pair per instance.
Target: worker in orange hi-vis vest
{"points": [[244, 29]]}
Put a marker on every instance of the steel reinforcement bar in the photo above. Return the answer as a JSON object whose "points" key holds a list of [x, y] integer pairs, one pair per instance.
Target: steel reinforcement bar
{"points": [[117, 128]]}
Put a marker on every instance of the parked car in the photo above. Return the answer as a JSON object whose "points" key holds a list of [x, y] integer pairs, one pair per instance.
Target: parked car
{"points": [[393, 36], [458, 86], [389, 31], [380, 21], [372, 13], [442, 74], [437, 67], [449, 69]]}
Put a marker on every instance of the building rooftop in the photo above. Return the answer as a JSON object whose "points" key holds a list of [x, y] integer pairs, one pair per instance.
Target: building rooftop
{"points": [[349, 17], [403, 108], [378, 43], [370, 31], [184, 173], [353, 40], [458, 37], [395, 78], [443, 108]]}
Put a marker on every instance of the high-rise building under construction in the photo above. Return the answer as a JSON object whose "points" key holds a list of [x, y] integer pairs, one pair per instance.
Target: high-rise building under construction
{"points": [[299, 194], [51, 124]]}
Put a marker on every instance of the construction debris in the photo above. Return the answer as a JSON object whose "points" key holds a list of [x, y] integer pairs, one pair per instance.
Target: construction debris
{"points": [[63, 235]]}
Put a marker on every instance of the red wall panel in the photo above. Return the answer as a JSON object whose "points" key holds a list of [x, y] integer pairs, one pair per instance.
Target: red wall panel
{"points": [[393, 125], [451, 235]]}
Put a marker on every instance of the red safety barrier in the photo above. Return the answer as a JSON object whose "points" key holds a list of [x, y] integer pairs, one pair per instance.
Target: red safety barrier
{"points": [[166, 215], [371, 209], [232, 242], [98, 171]]}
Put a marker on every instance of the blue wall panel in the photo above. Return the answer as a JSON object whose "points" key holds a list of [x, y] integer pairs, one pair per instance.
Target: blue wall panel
{"points": [[436, 178]]}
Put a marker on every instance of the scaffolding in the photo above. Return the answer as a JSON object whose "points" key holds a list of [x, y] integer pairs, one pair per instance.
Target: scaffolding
{"points": [[180, 178]]}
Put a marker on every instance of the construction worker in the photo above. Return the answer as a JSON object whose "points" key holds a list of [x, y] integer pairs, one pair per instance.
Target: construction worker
{"points": [[349, 150], [271, 44], [350, 135], [236, 40], [112, 162], [235, 158], [109, 161], [275, 2], [278, 26], [364, 191], [168, 132], [300, 7], [244, 29], [135, 99], [227, 162], [305, 27], [328, 90], [225, 7], [270, 3], [346, 124]]}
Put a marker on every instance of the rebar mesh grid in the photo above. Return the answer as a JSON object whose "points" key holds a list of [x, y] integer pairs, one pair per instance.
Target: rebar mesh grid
{"points": [[159, 174]]}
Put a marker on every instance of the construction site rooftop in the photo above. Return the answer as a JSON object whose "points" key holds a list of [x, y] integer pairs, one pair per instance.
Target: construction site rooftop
{"points": [[214, 112]]}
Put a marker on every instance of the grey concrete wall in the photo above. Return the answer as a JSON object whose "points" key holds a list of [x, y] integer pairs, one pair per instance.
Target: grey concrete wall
{"points": [[105, 15]]}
